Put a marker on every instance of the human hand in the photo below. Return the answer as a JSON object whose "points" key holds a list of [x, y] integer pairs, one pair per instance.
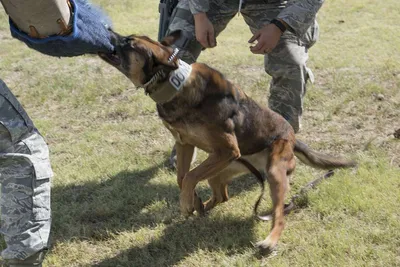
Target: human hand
{"points": [[204, 30], [90, 34], [267, 39]]}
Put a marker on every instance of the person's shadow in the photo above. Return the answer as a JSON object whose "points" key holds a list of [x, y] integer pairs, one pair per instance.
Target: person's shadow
{"points": [[98, 210]]}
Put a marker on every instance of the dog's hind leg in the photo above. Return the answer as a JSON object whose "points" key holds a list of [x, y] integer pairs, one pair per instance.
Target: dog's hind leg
{"points": [[219, 189], [281, 161], [226, 152], [219, 183]]}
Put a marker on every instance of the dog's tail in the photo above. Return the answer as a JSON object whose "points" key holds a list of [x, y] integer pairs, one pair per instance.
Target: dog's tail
{"points": [[319, 160]]}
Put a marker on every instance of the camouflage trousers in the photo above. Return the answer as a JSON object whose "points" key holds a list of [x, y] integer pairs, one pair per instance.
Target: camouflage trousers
{"points": [[286, 64], [25, 174]]}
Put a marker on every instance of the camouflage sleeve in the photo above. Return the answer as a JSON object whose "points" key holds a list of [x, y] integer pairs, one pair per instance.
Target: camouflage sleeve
{"points": [[198, 6], [300, 14]]}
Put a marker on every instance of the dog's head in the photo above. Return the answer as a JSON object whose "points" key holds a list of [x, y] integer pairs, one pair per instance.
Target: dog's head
{"points": [[140, 58]]}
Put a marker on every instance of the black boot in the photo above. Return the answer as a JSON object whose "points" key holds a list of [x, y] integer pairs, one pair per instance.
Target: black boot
{"points": [[33, 261]]}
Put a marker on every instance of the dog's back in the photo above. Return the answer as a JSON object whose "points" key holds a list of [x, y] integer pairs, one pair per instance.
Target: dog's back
{"points": [[260, 127], [211, 99]]}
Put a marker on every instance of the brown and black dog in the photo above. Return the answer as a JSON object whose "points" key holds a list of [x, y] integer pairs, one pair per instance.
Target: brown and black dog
{"points": [[211, 113]]}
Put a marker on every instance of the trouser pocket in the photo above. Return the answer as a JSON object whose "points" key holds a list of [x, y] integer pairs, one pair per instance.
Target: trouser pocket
{"points": [[23, 139], [25, 208]]}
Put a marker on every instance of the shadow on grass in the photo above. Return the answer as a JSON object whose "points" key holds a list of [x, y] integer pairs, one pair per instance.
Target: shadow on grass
{"points": [[98, 210], [179, 240]]}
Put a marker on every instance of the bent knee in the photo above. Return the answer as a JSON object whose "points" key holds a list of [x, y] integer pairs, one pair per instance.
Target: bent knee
{"points": [[28, 156], [285, 70]]}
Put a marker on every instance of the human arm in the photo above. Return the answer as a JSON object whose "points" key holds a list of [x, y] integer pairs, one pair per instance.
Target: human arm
{"points": [[55, 28], [297, 17], [204, 29]]}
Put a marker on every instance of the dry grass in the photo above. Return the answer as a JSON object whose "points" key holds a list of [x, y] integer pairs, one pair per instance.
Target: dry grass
{"points": [[116, 204]]}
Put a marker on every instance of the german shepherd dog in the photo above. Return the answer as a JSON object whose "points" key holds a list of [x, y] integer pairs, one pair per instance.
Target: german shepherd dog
{"points": [[209, 112]]}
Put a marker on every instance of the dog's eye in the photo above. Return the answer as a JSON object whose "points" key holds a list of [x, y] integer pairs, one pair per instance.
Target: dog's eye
{"points": [[128, 41], [132, 43]]}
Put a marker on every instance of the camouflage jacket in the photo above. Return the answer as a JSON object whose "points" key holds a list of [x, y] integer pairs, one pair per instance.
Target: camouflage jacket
{"points": [[298, 14]]}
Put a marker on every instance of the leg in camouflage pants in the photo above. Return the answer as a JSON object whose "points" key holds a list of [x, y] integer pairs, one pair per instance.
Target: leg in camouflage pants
{"points": [[286, 63], [25, 174]]}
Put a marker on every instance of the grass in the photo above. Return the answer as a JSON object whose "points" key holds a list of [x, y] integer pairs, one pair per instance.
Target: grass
{"points": [[116, 204]]}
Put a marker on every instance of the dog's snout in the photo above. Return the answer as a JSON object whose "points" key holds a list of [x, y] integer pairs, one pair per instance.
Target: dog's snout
{"points": [[116, 39], [124, 41]]}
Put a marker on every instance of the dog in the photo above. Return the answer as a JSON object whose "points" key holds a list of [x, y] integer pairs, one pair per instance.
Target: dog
{"points": [[201, 108]]}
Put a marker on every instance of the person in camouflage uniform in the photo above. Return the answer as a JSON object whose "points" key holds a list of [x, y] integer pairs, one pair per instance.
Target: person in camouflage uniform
{"points": [[25, 171], [25, 175], [284, 46], [285, 51]]}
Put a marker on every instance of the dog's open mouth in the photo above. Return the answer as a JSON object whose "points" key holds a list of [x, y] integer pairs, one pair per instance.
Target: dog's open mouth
{"points": [[160, 75], [111, 58]]}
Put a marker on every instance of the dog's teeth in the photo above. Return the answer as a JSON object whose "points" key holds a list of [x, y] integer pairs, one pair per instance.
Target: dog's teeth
{"points": [[174, 54]]}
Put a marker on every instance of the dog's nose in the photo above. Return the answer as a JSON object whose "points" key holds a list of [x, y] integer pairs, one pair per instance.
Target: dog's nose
{"points": [[124, 41], [116, 39]]}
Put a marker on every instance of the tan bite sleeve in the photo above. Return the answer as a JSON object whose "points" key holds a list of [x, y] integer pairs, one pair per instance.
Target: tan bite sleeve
{"points": [[40, 18]]}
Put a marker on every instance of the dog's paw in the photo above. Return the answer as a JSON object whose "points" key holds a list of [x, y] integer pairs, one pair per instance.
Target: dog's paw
{"points": [[187, 204], [209, 204], [198, 206], [266, 246]]}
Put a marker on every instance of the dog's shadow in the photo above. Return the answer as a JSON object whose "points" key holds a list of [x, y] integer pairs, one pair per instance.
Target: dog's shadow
{"points": [[181, 239], [98, 210]]}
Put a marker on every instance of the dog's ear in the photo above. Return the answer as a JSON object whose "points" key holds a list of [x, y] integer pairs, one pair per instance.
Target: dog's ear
{"points": [[171, 38]]}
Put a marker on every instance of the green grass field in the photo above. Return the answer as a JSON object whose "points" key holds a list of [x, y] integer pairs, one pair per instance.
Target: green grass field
{"points": [[116, 204]]}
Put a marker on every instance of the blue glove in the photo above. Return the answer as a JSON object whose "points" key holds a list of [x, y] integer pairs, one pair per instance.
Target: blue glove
{"points": [[90, 34]]}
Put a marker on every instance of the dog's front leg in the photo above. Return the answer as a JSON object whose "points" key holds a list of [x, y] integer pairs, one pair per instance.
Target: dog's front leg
{"points": [[184, 155], [210, 167]]}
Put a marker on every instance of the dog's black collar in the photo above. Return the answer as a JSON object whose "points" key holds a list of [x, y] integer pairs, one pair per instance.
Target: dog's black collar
{"points": [[167, 90], [161, 73]]}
